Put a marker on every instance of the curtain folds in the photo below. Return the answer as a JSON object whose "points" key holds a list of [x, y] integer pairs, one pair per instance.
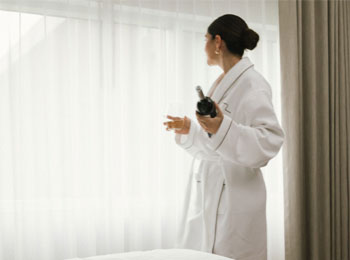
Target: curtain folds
{"points": [[86, 166], [315, 73]]}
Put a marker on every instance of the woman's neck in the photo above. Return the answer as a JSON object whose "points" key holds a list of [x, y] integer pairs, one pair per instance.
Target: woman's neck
{"points": [[228, 62]]}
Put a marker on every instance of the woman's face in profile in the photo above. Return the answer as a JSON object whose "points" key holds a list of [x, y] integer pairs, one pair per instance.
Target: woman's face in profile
{"points": [[210, 50]]}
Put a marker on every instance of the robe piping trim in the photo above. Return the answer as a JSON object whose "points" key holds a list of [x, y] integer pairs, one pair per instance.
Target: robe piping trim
{"points": [[224, 94], [216, 219], [224, 136]]}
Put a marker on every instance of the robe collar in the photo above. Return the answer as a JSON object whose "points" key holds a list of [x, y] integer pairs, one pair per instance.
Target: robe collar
{"points": [[230, 78]]}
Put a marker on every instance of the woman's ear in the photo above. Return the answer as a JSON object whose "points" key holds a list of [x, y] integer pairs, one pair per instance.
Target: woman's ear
{"points": [[218, 41]]}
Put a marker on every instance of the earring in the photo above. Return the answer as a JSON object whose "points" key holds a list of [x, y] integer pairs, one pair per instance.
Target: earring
{"points": [[217, 52]]}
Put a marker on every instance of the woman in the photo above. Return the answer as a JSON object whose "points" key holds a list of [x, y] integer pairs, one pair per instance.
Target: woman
{"points": [[225, 213]]}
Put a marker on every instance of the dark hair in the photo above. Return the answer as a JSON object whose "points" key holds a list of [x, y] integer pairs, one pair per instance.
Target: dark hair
{"points": [[235, 32]]}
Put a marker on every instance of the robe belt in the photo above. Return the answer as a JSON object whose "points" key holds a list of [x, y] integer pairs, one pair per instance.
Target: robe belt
{"points": [[204, 157]]}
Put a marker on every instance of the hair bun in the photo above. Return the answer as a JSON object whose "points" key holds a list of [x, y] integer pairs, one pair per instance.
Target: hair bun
{"points": [[250, 39]]}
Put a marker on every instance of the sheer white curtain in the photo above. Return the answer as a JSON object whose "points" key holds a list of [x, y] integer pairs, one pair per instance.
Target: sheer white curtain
{"points": [[86, 166]]}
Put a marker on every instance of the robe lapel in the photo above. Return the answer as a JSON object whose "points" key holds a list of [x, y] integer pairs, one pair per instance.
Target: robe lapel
{"points": [[229, 79]]}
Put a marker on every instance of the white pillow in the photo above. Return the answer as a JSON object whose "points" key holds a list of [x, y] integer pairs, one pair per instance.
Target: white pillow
{"points": [[158, 254]]}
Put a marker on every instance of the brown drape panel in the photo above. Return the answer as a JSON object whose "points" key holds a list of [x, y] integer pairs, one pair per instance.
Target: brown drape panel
{"points": [[315, 64]]}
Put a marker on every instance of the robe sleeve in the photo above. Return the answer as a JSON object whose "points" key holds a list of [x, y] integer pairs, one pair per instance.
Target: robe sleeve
{"points": [[257, 141], [195, 141]]}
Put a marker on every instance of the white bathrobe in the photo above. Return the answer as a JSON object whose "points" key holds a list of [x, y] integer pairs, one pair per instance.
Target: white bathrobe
{"points": [[224, 212]]}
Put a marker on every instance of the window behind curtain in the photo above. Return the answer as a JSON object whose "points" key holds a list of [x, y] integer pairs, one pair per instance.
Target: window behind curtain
{"points": [[86, 166]]}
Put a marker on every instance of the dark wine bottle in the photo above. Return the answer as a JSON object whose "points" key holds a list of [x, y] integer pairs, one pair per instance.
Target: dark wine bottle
{"points": [[205, 105]]}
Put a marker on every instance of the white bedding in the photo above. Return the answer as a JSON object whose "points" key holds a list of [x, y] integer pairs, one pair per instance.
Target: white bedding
{"points": [[158, 254]]}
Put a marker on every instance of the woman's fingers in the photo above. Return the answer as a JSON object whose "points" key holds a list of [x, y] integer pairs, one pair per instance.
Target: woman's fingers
{"points": [[203, 125], [202, 119], [173, 117], [205, 122], [176, 123], [211, 125], [199, 117]]}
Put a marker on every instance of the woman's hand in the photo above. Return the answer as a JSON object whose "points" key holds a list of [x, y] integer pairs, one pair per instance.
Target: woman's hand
{"points": [[180, 125], [211, 125]]}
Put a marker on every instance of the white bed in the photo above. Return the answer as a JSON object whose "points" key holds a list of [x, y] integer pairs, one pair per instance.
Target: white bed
{"points": [[158, 254]]}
